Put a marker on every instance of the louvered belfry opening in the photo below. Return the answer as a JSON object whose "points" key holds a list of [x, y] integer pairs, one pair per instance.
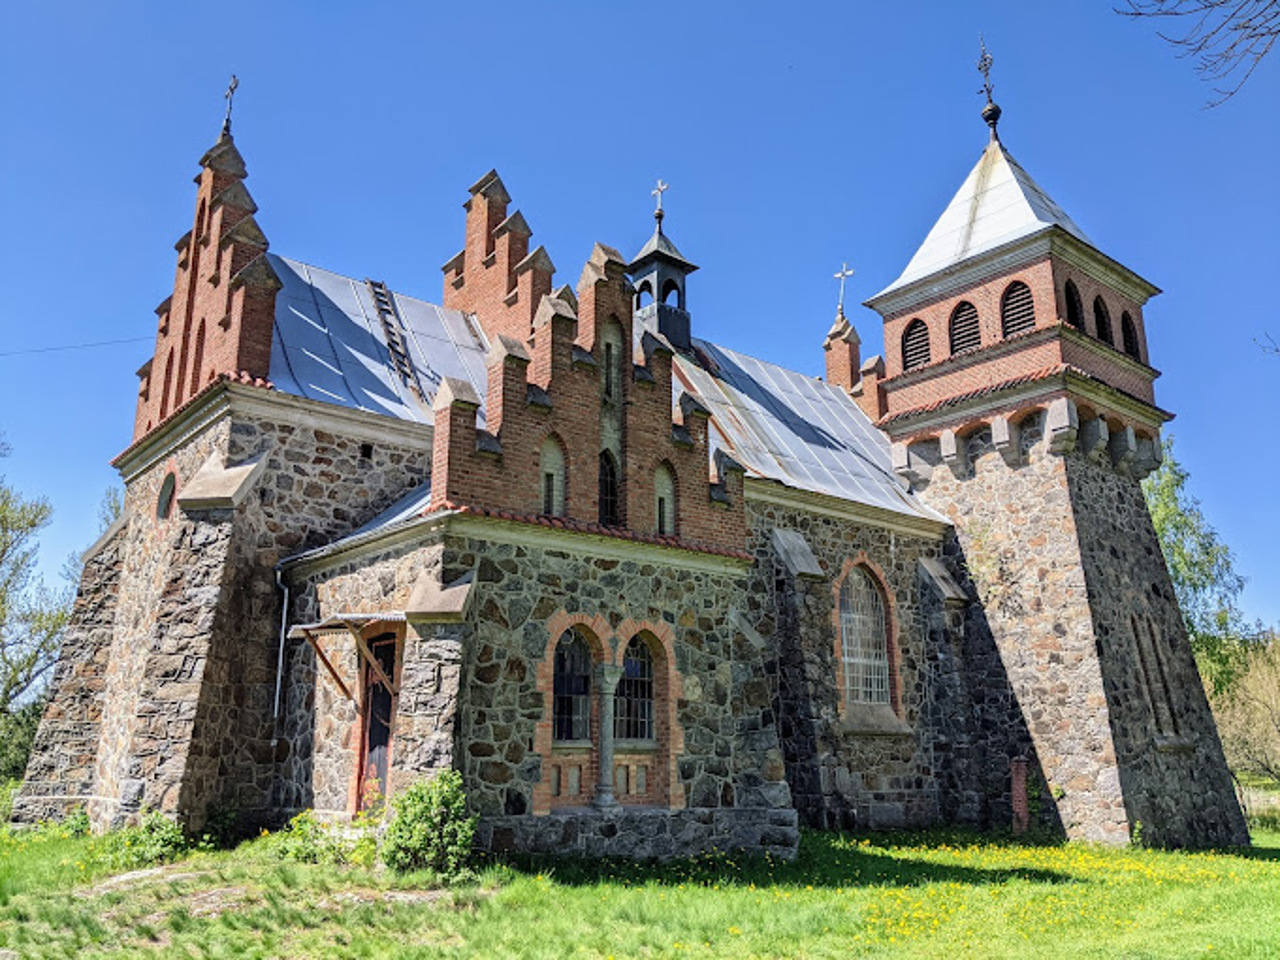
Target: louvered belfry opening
{"points": [[915, 345], [965, 334], [393, 328], [1102, 321], [1130, 334], [1075, 309], [1017, 309]]}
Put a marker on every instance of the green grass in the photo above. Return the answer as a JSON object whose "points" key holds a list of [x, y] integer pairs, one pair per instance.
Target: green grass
{"points": [[936, 895]]}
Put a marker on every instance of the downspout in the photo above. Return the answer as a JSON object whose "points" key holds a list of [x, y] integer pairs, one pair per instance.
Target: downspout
{"points": [[284, 629]]}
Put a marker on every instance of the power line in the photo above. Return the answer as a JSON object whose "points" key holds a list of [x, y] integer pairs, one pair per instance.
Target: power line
{"points": [[72, 346]]}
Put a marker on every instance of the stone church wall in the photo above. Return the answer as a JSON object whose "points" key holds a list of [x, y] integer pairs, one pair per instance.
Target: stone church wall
{"points": [[729, 781], [844, 773]]}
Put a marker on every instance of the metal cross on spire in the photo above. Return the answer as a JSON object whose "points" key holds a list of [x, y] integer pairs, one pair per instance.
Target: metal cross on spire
{"points": [[230, 95], [658, 191], [844, 274]]}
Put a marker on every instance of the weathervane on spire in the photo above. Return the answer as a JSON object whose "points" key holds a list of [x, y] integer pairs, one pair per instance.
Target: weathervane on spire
{"points": [[230, 95], [658, 191], [991, 112], [844, 273]]}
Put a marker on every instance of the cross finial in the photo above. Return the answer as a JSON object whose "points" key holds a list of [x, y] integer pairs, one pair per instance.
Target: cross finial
{"points": [[658, 191], [991, 112], [844, 273], [230, 95]]}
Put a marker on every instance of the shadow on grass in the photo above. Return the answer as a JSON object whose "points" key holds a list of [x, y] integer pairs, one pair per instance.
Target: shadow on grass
{"points": [[826, 860]]}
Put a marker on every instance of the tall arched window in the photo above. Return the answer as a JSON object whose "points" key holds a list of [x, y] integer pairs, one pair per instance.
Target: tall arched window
{"points": [[609, 513], [664, 501], [611, 354], [551, 472], [964, 327], [915, 345], [1129, 335], [1102, 321], [571, 689], [633, 699], [1017, 309], [864, 640], [1075, 309], [165, 397]]}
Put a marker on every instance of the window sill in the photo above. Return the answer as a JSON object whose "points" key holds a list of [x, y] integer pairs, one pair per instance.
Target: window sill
{"points": [[635, 746], [872, 720], [571, 746]]}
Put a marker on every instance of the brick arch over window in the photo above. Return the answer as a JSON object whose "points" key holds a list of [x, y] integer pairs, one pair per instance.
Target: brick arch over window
{"points": [[569, 771], [915, 345], [860, 566], [663, 782], [1017, 309], [1075, 309], [963, 329], [1102, 321]]}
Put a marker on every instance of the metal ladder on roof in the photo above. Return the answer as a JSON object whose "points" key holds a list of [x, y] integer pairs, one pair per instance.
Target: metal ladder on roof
{"points": [[393, 328]]}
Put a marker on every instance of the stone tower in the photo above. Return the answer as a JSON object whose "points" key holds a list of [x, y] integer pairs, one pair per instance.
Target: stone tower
{"points": [[1016, 389]]}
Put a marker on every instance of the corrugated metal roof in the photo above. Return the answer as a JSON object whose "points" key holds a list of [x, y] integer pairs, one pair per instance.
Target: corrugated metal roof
{"points": [[330, 345], [796, 429], [997, 203], [779, 424]]}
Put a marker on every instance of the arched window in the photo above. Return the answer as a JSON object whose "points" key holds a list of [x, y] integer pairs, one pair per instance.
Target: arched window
{"points": [[671, 294], [199, 361], [571, 689], [1102, 321], [633, 700], [664, 501], [1075, 309], [1129, 335], [644, 295], [551, 470], [164, 502], [915, 345], [1017, 309], [864, 640], [964, 328], [608, 490]]}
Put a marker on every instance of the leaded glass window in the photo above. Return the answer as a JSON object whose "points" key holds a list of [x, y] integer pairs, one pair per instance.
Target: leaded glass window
{"points": [[571, 701], [864, 640], [633, 700]]}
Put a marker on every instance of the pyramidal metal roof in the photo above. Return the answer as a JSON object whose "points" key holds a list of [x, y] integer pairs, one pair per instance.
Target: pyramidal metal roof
{"points": [[660, 243], [997, 204]]}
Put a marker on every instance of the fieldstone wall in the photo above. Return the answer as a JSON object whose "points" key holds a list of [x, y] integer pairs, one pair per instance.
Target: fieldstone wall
{"points": [[1059, 549], [60, 773], [1173, 774], [475, 686], [844, 769]]}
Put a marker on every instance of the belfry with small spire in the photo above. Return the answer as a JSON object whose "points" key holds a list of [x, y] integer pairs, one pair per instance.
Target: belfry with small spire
{"points": [[659, 272]]}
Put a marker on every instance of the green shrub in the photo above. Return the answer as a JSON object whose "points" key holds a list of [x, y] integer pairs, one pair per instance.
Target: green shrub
{"points": [[17, 733], [76, 823], [430, 828], [156, 839]]}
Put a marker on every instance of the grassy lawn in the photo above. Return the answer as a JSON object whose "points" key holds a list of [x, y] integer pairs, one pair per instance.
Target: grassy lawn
{"points": [[952, 895]]}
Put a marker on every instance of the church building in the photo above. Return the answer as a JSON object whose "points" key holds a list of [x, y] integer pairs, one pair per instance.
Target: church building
{"points": [[649, 595]]}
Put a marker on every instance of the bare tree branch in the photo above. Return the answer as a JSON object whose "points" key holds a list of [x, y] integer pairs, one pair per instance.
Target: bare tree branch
{"points": [[1226, 38]]}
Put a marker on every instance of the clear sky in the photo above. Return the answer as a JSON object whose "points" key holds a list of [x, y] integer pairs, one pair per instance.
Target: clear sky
{"points": [[794, 136]]}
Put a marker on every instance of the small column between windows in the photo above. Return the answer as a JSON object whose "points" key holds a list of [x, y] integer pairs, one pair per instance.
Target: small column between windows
{"points": [[609, 675]]}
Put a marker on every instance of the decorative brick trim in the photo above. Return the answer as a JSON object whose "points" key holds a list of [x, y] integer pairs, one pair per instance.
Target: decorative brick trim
{"points": [[860, 559]]}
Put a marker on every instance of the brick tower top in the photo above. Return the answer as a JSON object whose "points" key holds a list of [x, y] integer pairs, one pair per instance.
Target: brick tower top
{"points": [[220, 315], [1006, 306]]}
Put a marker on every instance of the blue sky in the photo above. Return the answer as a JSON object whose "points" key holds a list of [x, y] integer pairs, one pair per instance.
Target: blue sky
{"points": [[794, 137]]}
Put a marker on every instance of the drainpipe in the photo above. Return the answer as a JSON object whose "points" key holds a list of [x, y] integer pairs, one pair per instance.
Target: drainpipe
{"points": [[284, 629]]}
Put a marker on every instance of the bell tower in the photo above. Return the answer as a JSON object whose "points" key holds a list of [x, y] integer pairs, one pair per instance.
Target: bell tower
{"points": [[658, 273], [1017, 391]]}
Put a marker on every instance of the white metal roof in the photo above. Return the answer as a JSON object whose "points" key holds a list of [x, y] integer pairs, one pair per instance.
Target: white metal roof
{"points": [[997, 203]]}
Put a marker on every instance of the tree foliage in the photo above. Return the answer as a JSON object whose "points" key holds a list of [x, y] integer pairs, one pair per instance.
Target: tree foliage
{"points": [[1249, 719], [1226, 38], [1203, 572]]}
